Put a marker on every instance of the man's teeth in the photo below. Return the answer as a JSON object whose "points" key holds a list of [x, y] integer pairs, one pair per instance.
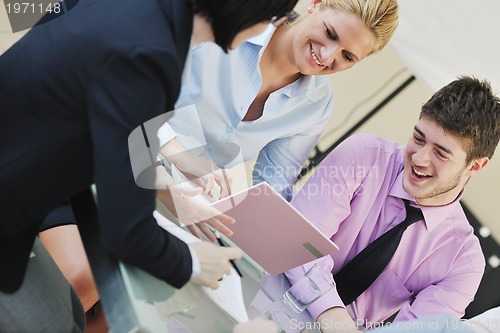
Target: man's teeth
{"points": [[421, 174], [315, 58]]}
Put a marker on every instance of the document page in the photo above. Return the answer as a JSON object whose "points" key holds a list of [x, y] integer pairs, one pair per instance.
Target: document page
{"points": [[229, 296]]}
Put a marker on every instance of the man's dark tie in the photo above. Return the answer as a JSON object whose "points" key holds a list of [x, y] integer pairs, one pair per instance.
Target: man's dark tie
{"points": [[359, 273]]}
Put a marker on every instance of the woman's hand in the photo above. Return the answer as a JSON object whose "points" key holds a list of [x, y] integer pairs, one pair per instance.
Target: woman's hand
{"points": [[198, 170]]}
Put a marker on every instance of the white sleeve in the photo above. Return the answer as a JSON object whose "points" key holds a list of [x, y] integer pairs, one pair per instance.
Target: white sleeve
{"points": [[487, 322], [196, 262], [166, 133]]}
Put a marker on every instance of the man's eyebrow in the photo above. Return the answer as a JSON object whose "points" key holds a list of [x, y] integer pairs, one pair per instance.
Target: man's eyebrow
{"points": [[444, 149], [418, 131]]}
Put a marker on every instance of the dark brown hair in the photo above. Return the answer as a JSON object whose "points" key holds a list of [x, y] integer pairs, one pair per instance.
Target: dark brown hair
{"points": [[468, 109], [229, 17]]}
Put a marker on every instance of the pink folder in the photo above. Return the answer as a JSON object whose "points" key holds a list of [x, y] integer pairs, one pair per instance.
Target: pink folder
{"points": [[271, 231]]}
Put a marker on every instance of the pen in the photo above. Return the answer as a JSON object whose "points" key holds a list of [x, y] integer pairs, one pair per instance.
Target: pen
{"points": [[221, 243]]}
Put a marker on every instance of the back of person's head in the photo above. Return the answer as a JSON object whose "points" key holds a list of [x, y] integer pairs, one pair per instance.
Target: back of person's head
{"points": [[468, 109], [229, 17], [380, 16]]}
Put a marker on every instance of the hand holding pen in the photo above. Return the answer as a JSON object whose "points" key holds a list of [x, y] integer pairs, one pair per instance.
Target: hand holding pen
{"points": [[214, 262], [221, 243]]}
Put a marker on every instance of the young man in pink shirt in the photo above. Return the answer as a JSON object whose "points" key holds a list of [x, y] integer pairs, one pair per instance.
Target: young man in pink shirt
{"points": [[356, 195]]}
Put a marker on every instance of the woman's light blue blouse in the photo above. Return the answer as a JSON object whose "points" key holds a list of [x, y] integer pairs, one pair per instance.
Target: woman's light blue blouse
{"points": [[222, 87]]}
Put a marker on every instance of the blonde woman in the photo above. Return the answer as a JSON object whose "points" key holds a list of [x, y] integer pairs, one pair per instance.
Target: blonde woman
{"points": [[271, 96]]}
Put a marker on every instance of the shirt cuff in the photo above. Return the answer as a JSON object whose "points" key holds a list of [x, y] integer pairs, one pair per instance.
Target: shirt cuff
{"points": [[166, 133], [327, 301], [196, 263]]}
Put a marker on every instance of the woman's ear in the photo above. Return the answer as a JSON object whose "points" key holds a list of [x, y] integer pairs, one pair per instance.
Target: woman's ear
{"points": [[315, 3]]}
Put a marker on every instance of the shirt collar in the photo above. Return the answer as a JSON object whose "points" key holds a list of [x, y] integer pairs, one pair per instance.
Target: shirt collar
{"points": [[433, 215], [262, 39], [186, 73]]}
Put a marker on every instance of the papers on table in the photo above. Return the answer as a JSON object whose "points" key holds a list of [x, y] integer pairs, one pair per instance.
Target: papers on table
{"points": [[229, 296]]}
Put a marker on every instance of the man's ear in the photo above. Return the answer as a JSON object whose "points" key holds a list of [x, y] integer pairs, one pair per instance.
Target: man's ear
{"points": [[477, 164]]}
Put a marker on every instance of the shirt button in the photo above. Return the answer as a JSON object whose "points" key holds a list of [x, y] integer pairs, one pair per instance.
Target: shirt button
{"points": [[274, 94]]}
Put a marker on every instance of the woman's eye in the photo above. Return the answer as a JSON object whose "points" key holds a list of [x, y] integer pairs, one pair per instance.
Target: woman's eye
{"points": [[348, 57], [330, 34]]}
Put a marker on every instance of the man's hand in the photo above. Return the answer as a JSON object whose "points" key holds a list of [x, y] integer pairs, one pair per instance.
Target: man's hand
{"points": [[182, 202], [214, 262], [337, 320], [257, 325]]}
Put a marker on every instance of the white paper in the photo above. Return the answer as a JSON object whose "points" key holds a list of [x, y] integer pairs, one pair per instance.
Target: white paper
{"points": [[229, 295]]}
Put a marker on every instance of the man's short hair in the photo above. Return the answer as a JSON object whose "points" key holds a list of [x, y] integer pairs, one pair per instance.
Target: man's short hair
{"points": [[468, 109]]}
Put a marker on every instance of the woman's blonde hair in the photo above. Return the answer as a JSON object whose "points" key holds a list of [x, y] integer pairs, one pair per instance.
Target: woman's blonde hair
{"points": [[380, 16]]}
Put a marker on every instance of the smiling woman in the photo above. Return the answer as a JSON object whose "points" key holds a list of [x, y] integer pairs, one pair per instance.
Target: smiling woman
{"points": [[328, 41], [271, 96]]}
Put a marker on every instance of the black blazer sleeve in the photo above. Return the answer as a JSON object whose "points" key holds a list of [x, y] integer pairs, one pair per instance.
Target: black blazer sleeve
{"points": [[131, 88]]}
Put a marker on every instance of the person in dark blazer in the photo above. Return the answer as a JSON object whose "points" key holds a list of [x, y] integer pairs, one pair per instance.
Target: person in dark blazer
{"points": [[72, 90]]}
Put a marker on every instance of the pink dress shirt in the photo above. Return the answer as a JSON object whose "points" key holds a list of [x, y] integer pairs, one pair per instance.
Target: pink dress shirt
{"points": [[354, 197]]}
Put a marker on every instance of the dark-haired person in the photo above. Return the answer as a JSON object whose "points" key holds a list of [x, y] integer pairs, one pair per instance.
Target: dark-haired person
{"points": [[231, 90], [438, 264], [78, 85]]}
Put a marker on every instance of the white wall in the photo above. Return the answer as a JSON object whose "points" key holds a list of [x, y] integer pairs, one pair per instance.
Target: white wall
{"points": [[7, 38]]}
